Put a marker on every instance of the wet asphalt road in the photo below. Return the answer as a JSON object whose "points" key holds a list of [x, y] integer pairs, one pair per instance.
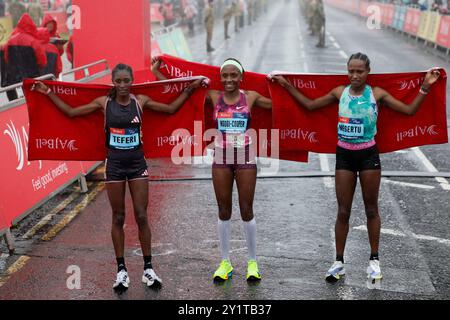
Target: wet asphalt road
{"points": [[295, 216]]}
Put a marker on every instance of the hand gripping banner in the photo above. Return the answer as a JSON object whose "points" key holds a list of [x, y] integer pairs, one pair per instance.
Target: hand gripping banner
{"points": [[316, 131], [54, 136]]}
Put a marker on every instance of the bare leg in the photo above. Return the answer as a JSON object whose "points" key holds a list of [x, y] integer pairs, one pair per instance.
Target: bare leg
{"points": [[246, 184], [345, 189], [370, 186], [116, 195], [139, 194]]}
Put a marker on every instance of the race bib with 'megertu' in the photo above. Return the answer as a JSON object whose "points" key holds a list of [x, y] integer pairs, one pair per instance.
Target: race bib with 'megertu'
{"points": [[350, 128]]}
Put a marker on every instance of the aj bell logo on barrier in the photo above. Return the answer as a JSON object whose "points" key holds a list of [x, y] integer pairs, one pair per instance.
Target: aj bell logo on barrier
{"points": [[20, 142], [56, 144]]}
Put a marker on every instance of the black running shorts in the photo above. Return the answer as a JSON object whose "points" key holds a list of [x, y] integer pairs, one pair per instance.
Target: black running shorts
{"points": [[125, 165], [358, 160], [234, 158]]}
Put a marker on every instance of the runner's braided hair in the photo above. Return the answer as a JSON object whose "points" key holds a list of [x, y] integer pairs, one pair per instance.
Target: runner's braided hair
{"points": [[119, 67], [360, 56]]}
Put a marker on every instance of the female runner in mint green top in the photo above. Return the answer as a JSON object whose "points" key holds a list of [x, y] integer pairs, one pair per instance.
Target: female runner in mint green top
{"points": [[357, 117], [357, 151]]}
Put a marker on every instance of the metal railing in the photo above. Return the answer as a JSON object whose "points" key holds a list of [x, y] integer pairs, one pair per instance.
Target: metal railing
{"points": [[85, 69], [20, 84], [87, 77]]}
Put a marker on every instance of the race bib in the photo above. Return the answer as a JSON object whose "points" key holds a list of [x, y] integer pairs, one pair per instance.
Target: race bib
{"points": [[124, 138], [350, 128], [229, 122]]}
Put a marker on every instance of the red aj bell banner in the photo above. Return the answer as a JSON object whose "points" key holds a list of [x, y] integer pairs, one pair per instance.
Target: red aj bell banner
{"points": [[54, 136], [316, 131], [173, 67]]}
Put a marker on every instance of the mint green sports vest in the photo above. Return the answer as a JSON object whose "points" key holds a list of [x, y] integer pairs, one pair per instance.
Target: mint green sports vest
{"points": [[357, 121]]}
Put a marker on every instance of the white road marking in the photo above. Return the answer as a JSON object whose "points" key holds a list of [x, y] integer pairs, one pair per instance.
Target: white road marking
{"points": [[166, 252], [431, 168], [343, 54], [407, 184], [398, 233], [325, 166]]}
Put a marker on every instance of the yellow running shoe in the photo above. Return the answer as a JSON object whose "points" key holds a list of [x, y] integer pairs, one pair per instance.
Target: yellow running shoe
{"points": [[253, 271], [224, 272]]}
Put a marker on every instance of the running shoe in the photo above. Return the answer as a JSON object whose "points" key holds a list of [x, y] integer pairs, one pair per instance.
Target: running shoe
{"points": [[151, 279], [224, 272], [253, 271], [122, 280], [335, 272], [373, 270]]}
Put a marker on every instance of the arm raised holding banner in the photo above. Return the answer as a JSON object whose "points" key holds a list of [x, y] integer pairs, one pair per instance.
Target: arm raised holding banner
{"points": [[125, 160], [357, 151], [234, 158]]}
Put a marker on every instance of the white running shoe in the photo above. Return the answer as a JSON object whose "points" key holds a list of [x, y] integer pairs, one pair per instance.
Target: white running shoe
{"points": [[335, 272], [373, 270], [122, 280], [151, 279]]}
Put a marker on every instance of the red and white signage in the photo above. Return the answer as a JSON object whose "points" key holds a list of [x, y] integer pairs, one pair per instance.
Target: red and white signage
{"points": [[412, 21], [443, 37], [25, 184]]}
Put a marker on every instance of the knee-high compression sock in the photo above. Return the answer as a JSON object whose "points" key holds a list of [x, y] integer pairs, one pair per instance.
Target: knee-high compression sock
{"points": [[250, 236], [224, 229]]}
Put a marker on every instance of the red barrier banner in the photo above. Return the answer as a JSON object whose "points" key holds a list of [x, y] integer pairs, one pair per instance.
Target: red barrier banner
{"points": [[443, 37], [316, 131], [83, 138], [173, 67], [387, 13], [390, 13], [353, 6], [61, 19], [412, 21], [25, 183], [363, 5]]}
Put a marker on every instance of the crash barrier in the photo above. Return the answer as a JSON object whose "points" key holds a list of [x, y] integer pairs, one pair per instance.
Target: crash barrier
{"points": [[171, 40], [26, 185], [430, 26]]}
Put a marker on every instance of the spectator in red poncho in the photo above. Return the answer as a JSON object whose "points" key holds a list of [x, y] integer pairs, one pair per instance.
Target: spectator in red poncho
{"points": [[54, 63], [23, 53], [52, 25]]}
